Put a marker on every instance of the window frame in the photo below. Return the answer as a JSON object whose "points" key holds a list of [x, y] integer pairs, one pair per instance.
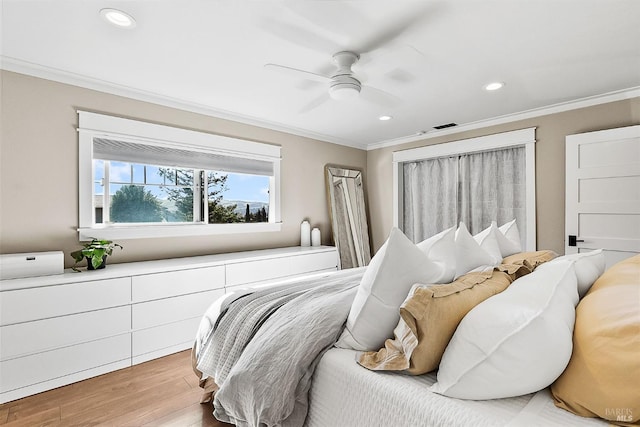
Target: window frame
{"points": [[517, 138], [94, 125]]}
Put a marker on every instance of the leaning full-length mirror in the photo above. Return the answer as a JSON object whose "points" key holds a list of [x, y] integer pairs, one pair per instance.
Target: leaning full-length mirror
{"points": [[345, 193]]}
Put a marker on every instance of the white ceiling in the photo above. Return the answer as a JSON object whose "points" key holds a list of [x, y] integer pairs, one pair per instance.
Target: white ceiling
{"points": [[434, 57]]}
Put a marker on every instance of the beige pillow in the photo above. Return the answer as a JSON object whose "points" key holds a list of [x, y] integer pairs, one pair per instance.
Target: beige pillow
{"points": [[603, 375], [429, 317], [525, 262]]}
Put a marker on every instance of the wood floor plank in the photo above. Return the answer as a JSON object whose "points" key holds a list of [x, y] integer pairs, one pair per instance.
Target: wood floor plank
{"points": [[194, 415], [112, 392], [4, 414], [93, 412], [150, 413], [47, 417], [26, 405], [159, 392], [192, 380]]}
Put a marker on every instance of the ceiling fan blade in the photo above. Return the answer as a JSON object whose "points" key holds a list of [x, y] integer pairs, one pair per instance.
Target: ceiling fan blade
{"points": [[298, 35], [388, 33], [386, 62], [336, 17], [295, 72], [379, 97], [315, 103]]}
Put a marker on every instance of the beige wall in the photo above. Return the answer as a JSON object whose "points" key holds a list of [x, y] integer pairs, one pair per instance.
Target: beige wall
{"points": [[39, 168], [39, 172], [550, 157]]}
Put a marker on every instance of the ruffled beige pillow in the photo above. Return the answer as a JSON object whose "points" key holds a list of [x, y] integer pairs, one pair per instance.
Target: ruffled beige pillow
{"points": [[525, 262]]}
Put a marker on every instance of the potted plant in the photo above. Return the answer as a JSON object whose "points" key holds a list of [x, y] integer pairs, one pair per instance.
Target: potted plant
{"points": [[96, 252]]}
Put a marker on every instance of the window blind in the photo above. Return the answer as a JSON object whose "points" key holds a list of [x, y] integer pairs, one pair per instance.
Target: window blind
{"points": [[131, 152]]}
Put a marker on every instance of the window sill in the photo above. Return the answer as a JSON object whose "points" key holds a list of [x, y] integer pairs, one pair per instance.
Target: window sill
{"points": [[173, 230]]}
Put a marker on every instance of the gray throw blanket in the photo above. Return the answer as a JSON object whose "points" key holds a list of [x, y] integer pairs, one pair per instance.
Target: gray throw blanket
{"points": [[261, 347]]}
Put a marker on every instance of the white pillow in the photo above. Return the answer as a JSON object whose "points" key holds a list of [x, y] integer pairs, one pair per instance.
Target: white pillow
{"points": [[511, 243], [469, 254], [375, 311], [507, 236], [516, 342], [588, 265], [441, 249], [488, 240]]}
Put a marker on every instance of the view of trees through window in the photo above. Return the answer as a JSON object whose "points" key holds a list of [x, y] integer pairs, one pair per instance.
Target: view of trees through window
{"points": [[155, 194]]}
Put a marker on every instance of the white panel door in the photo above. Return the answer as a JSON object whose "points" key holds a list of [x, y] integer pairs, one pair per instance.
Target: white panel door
{"points": [[603, 193]]}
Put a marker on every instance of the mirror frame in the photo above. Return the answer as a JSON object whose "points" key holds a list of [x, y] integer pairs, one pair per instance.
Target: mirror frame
{"points": [[351, 237]]}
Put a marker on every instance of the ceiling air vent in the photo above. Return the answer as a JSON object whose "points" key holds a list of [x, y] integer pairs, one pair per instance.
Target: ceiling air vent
{"points": [[448, 125]]}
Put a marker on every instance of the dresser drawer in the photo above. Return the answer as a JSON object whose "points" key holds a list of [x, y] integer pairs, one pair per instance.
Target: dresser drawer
{"points": [[169, 310], [162, 285], [40, 367], [165, 336], [42, 335], [266, 269], [25, 305]]}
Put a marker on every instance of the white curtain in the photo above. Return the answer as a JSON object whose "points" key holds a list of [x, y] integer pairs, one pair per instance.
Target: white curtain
{"points": [[474, 188], [430, 197]]}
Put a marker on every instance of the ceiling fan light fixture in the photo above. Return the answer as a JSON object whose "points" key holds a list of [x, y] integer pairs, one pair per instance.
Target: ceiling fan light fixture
{"points": [[118, 18], [342, 91]]}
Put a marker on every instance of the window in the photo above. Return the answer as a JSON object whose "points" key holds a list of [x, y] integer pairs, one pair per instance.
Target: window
{"points": [[474, 181], [144, 180]]}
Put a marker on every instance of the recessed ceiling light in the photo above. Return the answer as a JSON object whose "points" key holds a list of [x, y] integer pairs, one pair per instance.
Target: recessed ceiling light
{"points": [[118, 18], [385, 118], [494, 86]]}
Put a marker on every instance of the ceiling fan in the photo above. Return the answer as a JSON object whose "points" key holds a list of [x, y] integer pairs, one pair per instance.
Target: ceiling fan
{"points": [[342, 83]]}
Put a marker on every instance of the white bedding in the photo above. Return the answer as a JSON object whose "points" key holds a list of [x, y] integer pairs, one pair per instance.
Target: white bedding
{"points": [[345, 394]]}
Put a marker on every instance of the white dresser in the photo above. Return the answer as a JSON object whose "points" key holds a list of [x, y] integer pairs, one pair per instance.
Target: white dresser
{"points": [[55, 330]]}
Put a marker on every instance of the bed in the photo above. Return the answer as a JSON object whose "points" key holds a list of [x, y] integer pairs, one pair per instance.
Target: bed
{"points": [[282, 355], [393, 399]]}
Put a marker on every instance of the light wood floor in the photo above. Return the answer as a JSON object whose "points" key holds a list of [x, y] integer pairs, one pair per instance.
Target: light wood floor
{"points": [[162, 392]]}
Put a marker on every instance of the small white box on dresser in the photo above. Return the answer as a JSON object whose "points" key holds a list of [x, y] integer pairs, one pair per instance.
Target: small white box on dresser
{"points": [[31, 264]]}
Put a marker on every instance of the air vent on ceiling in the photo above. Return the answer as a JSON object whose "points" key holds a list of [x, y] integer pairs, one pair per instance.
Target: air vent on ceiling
{"points": [[448, 125]]}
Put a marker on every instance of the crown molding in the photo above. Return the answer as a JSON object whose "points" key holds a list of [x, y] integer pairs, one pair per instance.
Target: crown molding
{"points": [[508, 118], [66, 77], [61, 76]]}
